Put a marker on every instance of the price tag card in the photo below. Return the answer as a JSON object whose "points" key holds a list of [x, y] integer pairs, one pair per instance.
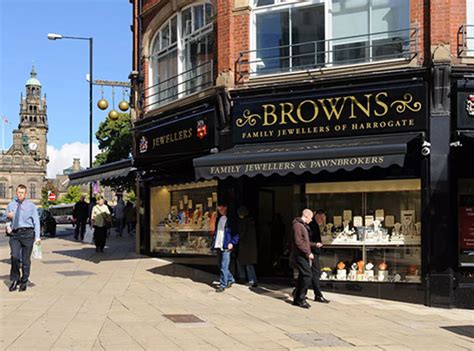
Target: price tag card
{"points": [[380, 214], [347, 215], [389, 221], [337, 220], [369, 220], [358, 221]]}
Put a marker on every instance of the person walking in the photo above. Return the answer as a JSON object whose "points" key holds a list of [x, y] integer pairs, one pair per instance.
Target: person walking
{"points": [[316, 247], [119, 215], [247, 252], [301, 257], [101, 220], [25, 233], [80, 213], [129, 214], [224, 241]]}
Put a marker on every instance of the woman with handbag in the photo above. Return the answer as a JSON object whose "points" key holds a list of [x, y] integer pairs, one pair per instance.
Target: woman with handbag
{"points": [[101, 221]]}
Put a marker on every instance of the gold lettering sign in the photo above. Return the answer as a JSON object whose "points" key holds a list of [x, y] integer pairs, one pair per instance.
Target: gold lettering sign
{"points": [[313, 117], [172, 137], [252, 168]]}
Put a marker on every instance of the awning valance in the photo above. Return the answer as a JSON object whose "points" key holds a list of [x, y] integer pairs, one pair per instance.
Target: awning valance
{"points": [[111, 170], [300, 157]]}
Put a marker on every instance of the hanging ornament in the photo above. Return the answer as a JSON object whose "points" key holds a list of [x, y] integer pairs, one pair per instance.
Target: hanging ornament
{"points": [[102, 103], [123, 105], [113, 114]]}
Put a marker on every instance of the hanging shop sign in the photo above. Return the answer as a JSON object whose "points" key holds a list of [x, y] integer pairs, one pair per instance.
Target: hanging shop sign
{"points": [[336, 114], [465, 104], [179, 136]]}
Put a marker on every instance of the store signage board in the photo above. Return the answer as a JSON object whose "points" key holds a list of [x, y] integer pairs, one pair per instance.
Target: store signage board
{"points": [[184, 134], [466, 230], [336, 114], [465, 104]]}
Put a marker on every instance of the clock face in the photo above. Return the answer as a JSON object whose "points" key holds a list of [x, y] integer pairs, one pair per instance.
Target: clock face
{"points": [[33, 146]]}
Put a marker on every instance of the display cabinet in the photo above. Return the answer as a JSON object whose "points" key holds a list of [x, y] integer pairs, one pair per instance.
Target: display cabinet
{"points": [[182, 218], [371, 231]]}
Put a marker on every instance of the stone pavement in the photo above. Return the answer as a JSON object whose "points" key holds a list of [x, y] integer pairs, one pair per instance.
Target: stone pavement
{"points": [[118, 300]]}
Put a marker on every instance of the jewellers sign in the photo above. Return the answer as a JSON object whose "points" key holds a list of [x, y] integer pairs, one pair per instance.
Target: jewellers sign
{"points": [[465, 102], [318, 115], [182, 135]]}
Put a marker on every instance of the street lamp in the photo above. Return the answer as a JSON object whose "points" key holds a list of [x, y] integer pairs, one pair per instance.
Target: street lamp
{"points": [[55, 36]]}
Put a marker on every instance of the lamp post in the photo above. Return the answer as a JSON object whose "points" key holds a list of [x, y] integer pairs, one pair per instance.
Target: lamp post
{"points": [[54, 36]]}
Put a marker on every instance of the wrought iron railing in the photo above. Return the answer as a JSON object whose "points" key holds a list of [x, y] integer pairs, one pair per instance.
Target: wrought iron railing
{"points": [[178, 86], [466, 40], [370, 47]]}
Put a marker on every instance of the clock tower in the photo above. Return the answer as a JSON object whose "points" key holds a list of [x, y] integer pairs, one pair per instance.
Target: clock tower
{"points": [[33, 119], [26, 160]]}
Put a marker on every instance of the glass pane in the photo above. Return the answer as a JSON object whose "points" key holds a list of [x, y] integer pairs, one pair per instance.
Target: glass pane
{"points": [[167, 66], [198, 54], [391, 20], [209, 13], [307, 36], [265, 2], [272, 42], [198, 16], [180, 227], [174, 29], [165, 37], [186, 22]]}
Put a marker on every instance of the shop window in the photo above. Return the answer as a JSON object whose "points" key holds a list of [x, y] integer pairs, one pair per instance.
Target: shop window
{"points": [[296, 35], [181, 56], [372, 230], [183, 218], [3, 191], [466, 222]]}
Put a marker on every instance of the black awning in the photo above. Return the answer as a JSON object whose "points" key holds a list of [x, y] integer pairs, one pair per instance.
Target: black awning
{"points": [[111, 170], [298, 158]]}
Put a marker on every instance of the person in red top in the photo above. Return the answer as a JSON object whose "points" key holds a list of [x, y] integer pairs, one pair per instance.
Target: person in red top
{"points": [[301, 257]]}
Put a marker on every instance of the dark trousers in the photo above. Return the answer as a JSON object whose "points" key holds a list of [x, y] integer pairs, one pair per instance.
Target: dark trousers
{"points": [[21, 246], [80, 228], [304, 278], [315, 275], [100, 236]]}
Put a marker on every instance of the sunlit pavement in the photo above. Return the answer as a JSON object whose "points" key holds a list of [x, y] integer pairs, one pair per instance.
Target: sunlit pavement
{"points": [[118, 300]]}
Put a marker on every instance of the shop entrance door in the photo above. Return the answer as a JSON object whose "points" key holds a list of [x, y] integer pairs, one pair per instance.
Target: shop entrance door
{"points": [[266, 208]]}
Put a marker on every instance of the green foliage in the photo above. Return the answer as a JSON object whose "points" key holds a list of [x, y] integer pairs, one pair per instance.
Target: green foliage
{"points": [[47, 188], [72, 196], [131, 196], [115, 144]]}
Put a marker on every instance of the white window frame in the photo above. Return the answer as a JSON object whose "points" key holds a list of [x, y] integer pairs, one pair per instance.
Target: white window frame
{"points": [[328, 27], [179, 45], [470, 30]]}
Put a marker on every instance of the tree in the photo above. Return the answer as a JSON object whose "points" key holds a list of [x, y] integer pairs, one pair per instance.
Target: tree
{"points": [[115, 144], [72, 196], [47, 189]]}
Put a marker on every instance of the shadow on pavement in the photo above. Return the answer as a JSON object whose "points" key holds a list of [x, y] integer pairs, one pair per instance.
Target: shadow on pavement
{"points": [[465, 330], [180, 270]]}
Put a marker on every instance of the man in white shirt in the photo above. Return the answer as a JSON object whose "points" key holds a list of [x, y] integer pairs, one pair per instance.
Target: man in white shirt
{"points": [[224, 241]]}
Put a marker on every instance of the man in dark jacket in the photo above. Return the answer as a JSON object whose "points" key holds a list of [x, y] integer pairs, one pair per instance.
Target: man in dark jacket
{"points": [[224, 240], [80, 213], [301, 257], [316, 245]]}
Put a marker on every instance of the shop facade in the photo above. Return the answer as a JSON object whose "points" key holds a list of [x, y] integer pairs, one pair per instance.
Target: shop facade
{"points": [[354, 152]]}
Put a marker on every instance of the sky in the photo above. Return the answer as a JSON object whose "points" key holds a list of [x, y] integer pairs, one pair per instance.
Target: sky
{"points": [[62, 66]]}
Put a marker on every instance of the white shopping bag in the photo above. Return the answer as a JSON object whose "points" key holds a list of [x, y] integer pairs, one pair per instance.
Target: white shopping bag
{"points": [[37, 250], [89, 235]]}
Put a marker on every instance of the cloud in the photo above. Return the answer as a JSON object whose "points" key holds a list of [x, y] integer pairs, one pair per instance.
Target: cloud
{"points": [[62, 158]]}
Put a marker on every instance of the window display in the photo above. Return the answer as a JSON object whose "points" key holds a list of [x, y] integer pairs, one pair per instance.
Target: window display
{"points": [[183, 218], [372, 230]]}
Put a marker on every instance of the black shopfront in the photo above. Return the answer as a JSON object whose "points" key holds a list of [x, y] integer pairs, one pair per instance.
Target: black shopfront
{"points": [[176, 212], [359, 150]]}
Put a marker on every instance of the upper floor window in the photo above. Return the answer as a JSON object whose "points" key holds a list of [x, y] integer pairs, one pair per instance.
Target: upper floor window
{"points": [[470, 28], [181, 55], [292, 35], [32, 191], [3, 191]]}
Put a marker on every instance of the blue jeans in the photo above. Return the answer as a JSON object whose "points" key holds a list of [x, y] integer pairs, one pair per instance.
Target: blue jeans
{"points": [[226, 276], [247, 271]]}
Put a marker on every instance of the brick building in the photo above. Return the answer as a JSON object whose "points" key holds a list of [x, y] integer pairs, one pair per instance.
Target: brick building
{"points": [[362, 108]]}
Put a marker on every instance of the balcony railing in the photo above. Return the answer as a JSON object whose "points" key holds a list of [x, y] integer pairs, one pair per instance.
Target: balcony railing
{"points": [[168, 90], [371, 47], [466, 40]]}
